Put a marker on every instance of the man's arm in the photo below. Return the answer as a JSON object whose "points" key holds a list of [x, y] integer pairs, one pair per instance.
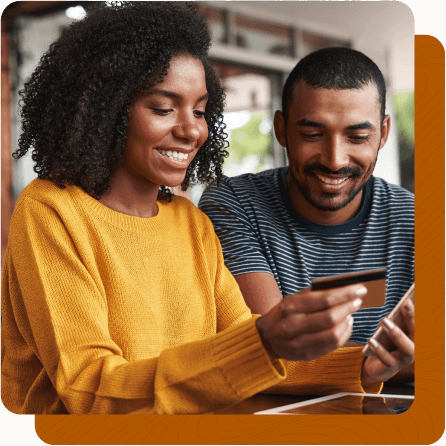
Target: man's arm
{"points": [[260, 291]]}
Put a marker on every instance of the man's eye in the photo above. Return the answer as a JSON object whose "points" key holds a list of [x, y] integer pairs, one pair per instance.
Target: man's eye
{"points": [[311, 135], [357, 138]]}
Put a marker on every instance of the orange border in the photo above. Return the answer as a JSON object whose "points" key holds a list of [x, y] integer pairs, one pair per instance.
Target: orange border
{"points": [[423, 423]]}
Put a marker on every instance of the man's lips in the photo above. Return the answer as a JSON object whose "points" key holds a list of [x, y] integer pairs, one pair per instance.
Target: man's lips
{"points": [[331, 180]]}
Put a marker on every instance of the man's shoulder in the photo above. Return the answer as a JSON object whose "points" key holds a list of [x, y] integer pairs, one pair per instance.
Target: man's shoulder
{"points": [[248, 183], [385, 191], [393, 204], [243, 193], [256, 178]]}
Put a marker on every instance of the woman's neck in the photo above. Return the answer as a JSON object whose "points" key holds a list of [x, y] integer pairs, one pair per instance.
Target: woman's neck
{"points": [[130, 197]]}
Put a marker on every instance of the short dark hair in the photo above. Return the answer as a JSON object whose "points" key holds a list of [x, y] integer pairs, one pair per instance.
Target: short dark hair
{"points": [[335, 68], [75, 106]]}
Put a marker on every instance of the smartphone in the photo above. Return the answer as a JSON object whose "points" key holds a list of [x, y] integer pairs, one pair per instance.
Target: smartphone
{"points": [[373, 280], [396, 317]]}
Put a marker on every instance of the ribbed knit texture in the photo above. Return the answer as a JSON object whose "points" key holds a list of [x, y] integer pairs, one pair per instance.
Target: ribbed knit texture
{"points": [[108, 313]]}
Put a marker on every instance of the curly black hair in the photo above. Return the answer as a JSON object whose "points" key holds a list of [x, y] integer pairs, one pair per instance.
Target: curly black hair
{"points": [[75, 106]]}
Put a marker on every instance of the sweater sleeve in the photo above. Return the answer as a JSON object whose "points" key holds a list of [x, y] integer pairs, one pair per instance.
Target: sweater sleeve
{"points": [[338, 371], [64, 318]]}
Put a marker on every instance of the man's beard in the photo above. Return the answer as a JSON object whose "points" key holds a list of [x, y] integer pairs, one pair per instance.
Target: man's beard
{"points": [[353, 172]]}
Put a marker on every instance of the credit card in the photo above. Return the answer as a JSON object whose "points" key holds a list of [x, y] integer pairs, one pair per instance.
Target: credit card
{"points": [[373, 280]]}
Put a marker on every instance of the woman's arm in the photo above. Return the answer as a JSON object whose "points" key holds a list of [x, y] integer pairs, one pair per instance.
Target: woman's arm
{"points": [[60, 308]]}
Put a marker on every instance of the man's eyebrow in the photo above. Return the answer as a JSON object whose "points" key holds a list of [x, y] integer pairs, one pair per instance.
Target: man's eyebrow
{"points": [[362, 126], [171, 94], [308, 123]]}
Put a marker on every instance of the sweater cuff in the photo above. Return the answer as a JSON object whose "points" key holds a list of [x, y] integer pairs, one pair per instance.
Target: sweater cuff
{"points": [[366, 388], [338, 371], [243, 360]]}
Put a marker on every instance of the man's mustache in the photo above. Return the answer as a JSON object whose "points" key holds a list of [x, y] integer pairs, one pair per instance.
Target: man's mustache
{"points": [[352, 171]]}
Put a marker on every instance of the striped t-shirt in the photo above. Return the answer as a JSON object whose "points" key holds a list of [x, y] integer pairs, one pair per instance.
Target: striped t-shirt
{"points": [[261, 231]]}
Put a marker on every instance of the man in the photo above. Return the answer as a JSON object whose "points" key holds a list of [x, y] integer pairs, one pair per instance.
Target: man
{"points": [[324, 214]]}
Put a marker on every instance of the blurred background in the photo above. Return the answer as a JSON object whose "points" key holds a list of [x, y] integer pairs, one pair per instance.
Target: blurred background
{"points": [[255, 46]]}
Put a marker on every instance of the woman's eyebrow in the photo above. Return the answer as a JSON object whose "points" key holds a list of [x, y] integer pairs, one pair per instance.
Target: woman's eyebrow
{"points": [[171, 94]]}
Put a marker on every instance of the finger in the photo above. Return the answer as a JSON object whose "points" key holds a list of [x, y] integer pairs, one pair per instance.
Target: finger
{"points": [[314, 345], [404, 344], [382, 354], [308, 301], [346, 331], [408, 311], [330, 318]]}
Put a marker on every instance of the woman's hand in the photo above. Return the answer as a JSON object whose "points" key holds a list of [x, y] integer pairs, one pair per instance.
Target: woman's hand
{"points": [[310, 324], [384, 364]]}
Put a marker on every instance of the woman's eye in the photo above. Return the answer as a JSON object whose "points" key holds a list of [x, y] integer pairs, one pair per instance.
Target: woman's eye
{"points": [[161, 111], [198, 113]]}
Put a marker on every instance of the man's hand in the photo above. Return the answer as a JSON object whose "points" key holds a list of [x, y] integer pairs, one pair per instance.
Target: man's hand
{"points": [[310, 324], [384, 364]]}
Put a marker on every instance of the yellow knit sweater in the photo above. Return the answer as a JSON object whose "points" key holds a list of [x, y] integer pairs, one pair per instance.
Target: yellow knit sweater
{"points": [[108, 313]]}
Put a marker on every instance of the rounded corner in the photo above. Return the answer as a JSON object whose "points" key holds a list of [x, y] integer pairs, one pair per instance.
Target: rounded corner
{"points": [[408, 7], [7, 408], [5, 7]]}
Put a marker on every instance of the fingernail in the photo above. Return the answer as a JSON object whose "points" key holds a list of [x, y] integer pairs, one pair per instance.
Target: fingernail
{"points": [[350, 320], [388, 323], [374, 343], [357, 303], [361, 291]]}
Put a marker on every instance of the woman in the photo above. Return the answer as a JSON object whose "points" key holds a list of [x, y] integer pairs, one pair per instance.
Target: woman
{"points": [[115, 298]]}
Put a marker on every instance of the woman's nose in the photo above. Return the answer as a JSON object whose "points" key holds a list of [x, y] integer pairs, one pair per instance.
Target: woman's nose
{"points": [[187, 128]]}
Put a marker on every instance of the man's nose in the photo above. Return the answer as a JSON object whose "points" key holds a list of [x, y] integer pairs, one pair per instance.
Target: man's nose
{"points": [[334, 155]]}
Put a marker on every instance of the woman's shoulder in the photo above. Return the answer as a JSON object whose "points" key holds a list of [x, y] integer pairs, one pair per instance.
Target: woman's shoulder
{"points": [[44, 190], [46, 193], [185, 209]]}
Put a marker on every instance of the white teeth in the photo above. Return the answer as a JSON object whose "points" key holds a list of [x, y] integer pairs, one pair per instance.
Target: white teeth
{"points": [[327, 180], [177, 156]]}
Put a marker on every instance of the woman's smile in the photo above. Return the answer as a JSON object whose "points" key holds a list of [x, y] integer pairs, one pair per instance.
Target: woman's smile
{"points": [[174, 154], [166, 129]]}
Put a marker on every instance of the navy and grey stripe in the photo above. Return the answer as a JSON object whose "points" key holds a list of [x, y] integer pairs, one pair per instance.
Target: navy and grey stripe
{"points": [[260, 231]]}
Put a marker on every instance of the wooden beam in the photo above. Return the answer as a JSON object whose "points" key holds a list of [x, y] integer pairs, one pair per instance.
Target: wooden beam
{"points": [[6, 159]]}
